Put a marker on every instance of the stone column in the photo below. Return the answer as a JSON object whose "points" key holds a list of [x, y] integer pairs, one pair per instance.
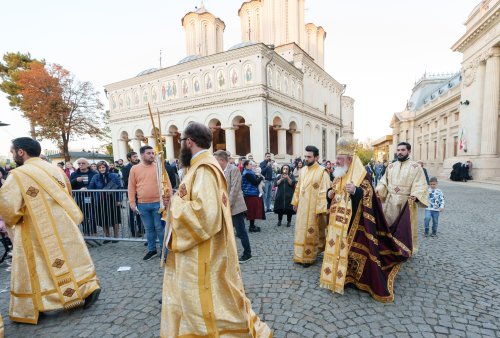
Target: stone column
{"points": [[281, 141], [169, 145], [231, 140], [136, 145], [297, 144], [490, 104], [123, 148], [152, 141]]}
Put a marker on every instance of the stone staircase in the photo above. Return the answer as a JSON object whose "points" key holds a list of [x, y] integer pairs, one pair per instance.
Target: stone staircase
{"points": [[490, 180]]}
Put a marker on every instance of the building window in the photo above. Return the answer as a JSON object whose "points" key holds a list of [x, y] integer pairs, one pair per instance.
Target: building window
{"points": [[421, 129], [444, 149], [324, 144], [406, 139], [435, 124], [326, 109], [427, 151], [457, 115], [445, 120], [455, 145], [435, 149]]}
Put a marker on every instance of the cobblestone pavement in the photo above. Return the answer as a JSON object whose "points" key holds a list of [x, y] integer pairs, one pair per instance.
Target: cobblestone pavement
{"points": [[451, 288]]}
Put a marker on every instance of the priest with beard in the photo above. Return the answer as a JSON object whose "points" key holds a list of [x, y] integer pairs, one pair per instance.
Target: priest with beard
{"points": [[309, 201], [203, 294], [361, 249], [403, 182]]}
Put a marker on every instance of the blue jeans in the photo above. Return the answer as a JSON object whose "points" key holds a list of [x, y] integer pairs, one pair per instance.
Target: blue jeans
{"points": [[241, 232], [435, 219], [268, 191], [151, 220]]}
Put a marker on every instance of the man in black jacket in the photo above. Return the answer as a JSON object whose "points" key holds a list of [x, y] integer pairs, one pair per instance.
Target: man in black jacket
{"points": [[80, 180], [266, 167], [132, 159]]}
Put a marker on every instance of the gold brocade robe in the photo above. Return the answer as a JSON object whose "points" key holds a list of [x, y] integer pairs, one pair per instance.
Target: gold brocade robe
{"points": [[400, 181], [51, 265], [1, 327], [310, 225], [203, 294], [335, 259]]}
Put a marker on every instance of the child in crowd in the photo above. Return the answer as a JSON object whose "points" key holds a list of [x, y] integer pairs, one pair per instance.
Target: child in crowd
{"points": [[436, 205], [258, 172]]}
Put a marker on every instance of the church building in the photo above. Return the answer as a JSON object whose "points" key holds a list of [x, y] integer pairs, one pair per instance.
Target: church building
{"points": [[269, 93]]}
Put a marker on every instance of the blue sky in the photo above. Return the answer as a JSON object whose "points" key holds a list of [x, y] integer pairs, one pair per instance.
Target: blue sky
{"points": [[378, 48]]}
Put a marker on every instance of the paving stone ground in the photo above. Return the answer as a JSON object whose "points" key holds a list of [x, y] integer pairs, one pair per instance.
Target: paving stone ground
{"points": [[450, 289]]}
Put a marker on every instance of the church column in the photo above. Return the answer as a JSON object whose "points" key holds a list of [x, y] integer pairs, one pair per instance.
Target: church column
{"points": [[123, 149], [282, 141], [136, 145], [490, 104], [230, 140], [169, 145], [297, 143]]}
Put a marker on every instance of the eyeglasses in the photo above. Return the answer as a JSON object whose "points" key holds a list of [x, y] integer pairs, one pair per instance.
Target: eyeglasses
{"points": [[80, 163], [183, 139]]}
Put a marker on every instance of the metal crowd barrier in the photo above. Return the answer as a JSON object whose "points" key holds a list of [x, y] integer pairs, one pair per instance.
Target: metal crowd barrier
{"points": [[107, 216]]}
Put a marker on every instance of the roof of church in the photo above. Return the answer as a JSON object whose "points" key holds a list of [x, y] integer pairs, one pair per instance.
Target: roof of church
{"points": [[189, 58], [430, 87], [147, 71], [242, 44]]}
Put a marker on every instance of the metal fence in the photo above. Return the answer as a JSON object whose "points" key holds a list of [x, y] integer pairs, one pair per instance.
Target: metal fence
{"points": [[107, 216]]}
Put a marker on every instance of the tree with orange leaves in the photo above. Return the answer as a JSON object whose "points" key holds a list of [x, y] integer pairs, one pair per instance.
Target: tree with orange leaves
{"points": [[61, 107]]}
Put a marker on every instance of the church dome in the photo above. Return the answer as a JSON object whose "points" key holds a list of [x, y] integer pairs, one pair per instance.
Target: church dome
{"points": [[189, 58], [147, 71], [242, 44]]}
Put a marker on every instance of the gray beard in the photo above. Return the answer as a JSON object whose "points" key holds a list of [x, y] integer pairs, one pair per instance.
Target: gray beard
{"points": [[340, 172]]}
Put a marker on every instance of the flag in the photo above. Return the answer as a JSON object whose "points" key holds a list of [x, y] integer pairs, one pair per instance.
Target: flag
{"points": [[463, 142]]}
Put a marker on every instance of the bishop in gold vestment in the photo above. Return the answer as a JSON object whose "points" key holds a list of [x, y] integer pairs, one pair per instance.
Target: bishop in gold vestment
{"points": [[51, 265], [203, 294], [309, 199], [360, 248], [402, 180]]}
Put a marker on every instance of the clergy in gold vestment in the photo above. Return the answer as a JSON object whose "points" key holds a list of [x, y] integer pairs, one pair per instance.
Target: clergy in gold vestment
{"points": [[51, 265], [1, 327], [309, 201], [360, 247], [404, 180], [203, 294]]}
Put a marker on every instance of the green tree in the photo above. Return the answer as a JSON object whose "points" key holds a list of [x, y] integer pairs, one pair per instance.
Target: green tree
{"points": [[13, 64], [364, 154]]}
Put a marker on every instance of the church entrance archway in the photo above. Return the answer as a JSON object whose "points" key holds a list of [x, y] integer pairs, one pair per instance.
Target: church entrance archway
{"points": [[218, 135], [242, 136], [292, 128], [273, 135]]}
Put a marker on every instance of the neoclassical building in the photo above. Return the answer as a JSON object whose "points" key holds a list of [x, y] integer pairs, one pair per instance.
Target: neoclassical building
{"points": [[455, 118], [268, 93]]}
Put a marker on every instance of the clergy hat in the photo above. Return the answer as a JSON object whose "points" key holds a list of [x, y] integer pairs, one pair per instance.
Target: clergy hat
{"points": [[346, 146]]}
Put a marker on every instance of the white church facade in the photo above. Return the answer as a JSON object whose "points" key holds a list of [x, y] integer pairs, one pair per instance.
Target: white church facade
{"points": [[268, 93]]}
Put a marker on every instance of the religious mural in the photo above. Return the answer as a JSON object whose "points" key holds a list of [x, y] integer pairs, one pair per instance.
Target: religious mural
{"points": [[285, 85], [154, 94], [145, 96], [127, 101], [196, 86], [278, 81], [208, 82], [234, 77], [164, 91], [120, 102], [185, 88], [136, 98], [221, 81], [269, 76], [248, 74], [293, 88], [113, 102]]}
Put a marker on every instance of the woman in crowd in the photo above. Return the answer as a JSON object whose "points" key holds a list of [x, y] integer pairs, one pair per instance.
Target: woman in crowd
{"points": [[255, 204], [296, 171], [107, 203], [285, 184], [69, 169]]}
